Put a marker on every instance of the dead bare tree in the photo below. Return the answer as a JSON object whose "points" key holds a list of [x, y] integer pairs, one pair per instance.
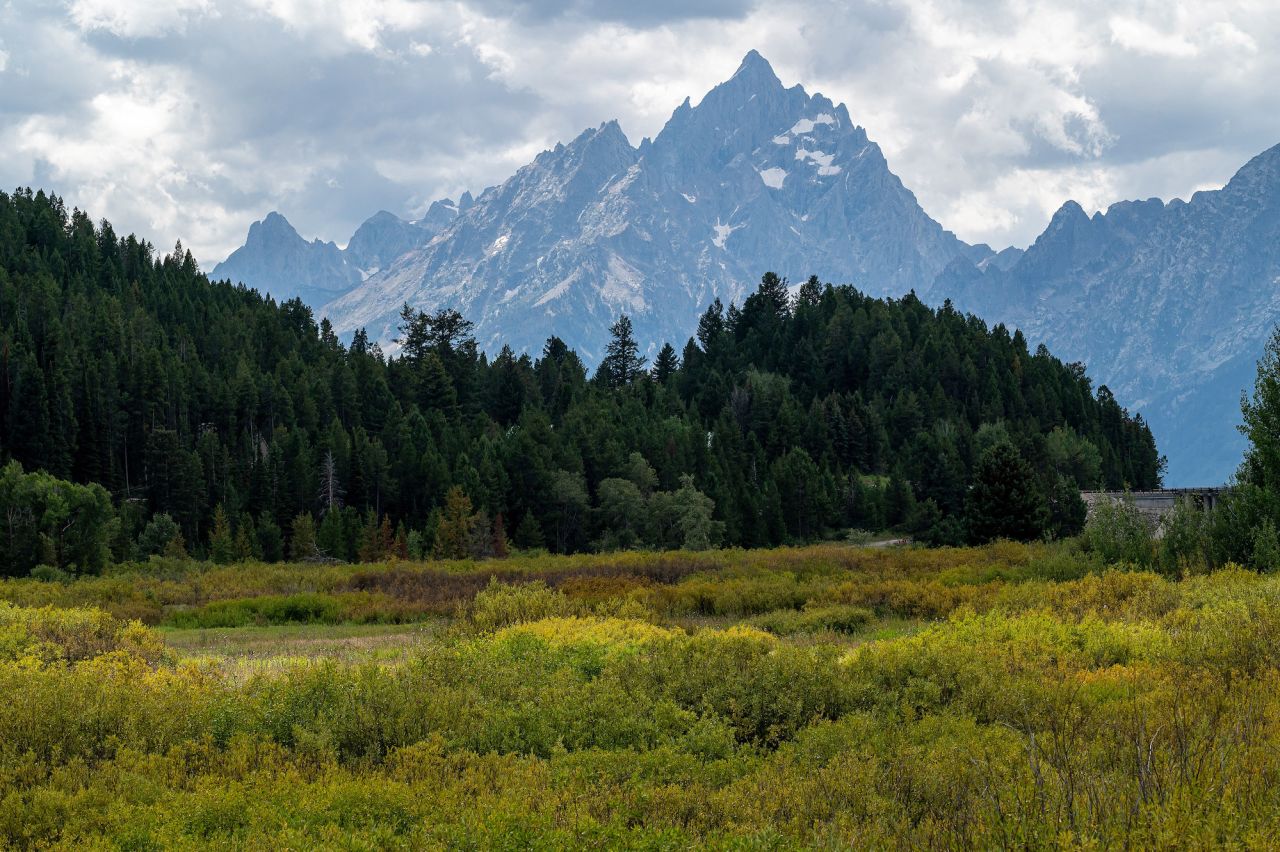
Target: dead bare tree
{"points": [[330, 488]]}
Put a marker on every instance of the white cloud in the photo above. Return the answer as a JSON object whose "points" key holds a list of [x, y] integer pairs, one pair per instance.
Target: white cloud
{"points": [[1140, 36], [192, 118], [352, 24], [136, 18]]}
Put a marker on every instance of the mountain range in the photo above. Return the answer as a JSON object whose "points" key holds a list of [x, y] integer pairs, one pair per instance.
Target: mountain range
{"points": [[1169, 304]]}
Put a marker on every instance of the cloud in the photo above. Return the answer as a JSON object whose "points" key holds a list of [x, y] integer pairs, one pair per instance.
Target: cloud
{"points": [[1141, 37], [136, 18], [646, 14], [191, 119]]}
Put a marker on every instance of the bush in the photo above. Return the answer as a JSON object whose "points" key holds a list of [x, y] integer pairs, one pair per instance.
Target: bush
{"points": [[1184, 544], [1065, 561], [269, 609], [72, 634], [500, 605], [1119, 534], [157, 535], [815, 619], [49, 574]]}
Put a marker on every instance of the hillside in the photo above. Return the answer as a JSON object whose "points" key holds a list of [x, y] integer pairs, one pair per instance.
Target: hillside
{"points": [[756, 176], [794, 417], [1169, 304]]}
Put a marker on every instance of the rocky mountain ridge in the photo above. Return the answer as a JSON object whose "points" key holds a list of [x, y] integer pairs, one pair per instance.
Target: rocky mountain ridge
{"points": [[1169, 304], [755, 177]]}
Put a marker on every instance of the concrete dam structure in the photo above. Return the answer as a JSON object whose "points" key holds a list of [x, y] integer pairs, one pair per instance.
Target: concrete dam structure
{"points": [[1155, 505]]}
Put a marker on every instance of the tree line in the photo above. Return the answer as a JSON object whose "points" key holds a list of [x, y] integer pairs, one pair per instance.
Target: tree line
{"points": [[244, 428]]}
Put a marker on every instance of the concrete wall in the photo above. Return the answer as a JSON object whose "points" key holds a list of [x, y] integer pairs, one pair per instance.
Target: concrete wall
{"points": [[1154, 506]]}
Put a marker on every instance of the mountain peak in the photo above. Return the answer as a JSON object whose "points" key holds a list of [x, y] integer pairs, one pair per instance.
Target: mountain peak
{"points": [[756, 69], [1070, 213], [1262, 172], [271, 228]]}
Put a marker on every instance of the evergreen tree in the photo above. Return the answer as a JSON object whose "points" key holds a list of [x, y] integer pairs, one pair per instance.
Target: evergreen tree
{"points": [[177, 404], [1261, 425], [698, 528], [1005, 500], [528, 534], [666, 364], [302, 538], [222, 548], [331, 491], [500, 548], [622, 363], [453, 537]]}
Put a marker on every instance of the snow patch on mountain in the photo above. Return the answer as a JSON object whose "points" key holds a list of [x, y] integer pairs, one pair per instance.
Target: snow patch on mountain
{"points": [[596, 226], [806, 125], [722, 233], [774, 177]]}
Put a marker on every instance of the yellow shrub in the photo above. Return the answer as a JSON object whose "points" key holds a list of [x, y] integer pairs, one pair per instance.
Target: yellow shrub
{"points": [[73, 634], [573, 630]]}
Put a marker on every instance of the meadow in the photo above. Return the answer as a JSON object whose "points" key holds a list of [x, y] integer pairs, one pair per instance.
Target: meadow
{"points": [[822, 697]]}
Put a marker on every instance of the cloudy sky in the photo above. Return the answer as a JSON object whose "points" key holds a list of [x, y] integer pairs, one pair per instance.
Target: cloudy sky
{"points": [[191, 118]]}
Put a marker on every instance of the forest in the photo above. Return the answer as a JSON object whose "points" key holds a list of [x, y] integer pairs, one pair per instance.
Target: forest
{"points": [[145, 410]]}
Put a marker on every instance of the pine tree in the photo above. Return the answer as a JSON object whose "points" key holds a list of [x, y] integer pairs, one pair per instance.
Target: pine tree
{"points": [[810, 293], [302, 538], [245, 546], [499, 547], [370, 540], [711, 326], [622, 363], [1005, 500], [528, 533], [773, 293], [400, 545], [222, 548], [176, 548], [99, 376], [453, 537], [330, 488], [666, 364]]}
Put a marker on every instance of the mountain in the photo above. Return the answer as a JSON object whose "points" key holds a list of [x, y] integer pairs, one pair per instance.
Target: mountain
{"points": [[1169, 304], [803, 419], [276, 260], [755, 177]]}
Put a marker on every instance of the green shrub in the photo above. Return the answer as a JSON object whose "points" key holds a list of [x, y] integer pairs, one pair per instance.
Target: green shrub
{"points": [[49, 574], [269, 609], [72, 634], [815, 619], [500, 605], [1118, 533]]}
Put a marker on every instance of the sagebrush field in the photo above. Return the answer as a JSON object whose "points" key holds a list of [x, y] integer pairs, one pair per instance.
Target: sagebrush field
{"points": [[827, 697]]}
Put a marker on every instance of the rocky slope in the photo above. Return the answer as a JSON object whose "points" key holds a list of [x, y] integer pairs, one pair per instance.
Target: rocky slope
{"points": [[756, 177], [276, 260], [1169, 304]]}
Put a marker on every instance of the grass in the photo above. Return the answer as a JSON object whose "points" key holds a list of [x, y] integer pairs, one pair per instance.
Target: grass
{"points": [[823, 697], [343, 642]]}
